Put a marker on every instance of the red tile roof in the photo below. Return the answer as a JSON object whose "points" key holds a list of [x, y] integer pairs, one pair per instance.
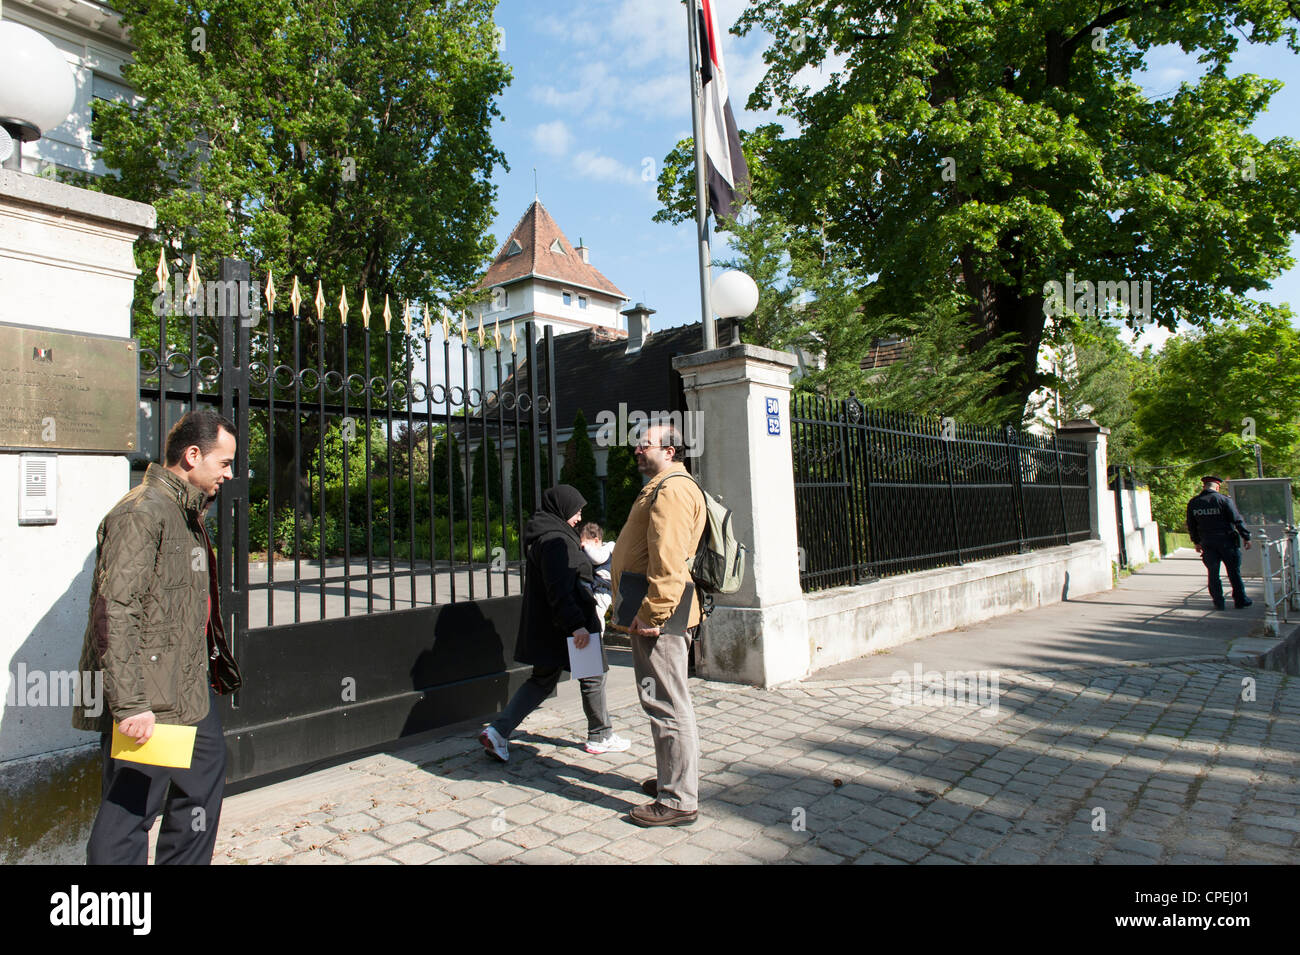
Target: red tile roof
{"points": [[535, 232], [885, 352]]}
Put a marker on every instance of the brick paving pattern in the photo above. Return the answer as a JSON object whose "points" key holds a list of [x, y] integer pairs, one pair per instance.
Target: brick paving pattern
{"points": [[1161, 763]]}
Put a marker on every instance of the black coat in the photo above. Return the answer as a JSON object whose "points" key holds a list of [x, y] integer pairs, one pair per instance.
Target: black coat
{"points": [[557, 597], [1213, 519]]}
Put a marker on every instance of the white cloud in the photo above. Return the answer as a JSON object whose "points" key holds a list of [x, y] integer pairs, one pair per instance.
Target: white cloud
{"points": [[594, 165], [1154, 335], [592, 81], [645, 47], [553, 138], [667, 96], [650, 32]]}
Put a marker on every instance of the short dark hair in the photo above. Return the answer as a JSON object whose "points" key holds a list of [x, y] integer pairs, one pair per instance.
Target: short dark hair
{"points": [[669, 437], [198, 428]]}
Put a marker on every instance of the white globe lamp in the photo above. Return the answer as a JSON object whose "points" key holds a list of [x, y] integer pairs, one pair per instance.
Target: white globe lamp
{"points": [[37, 88], [734, 295]]}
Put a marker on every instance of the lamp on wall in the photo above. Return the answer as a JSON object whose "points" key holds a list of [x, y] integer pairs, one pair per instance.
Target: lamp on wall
{"points": [[37, 89]]}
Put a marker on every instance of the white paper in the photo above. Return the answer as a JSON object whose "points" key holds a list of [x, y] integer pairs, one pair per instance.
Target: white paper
{"points": [[588, 661]]}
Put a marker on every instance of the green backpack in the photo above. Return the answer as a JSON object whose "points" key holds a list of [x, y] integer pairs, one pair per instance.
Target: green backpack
{"points": [[719, 562]]}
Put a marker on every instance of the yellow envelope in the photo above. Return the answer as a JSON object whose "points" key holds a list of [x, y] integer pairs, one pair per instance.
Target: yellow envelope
{"points": [[170, 745]]}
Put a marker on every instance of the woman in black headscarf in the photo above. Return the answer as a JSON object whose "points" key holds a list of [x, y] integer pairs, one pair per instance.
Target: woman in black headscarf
{"points": [[557, 604]]}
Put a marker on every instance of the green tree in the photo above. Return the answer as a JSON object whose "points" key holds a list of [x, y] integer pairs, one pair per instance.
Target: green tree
{"points": [[1002, 146], [622, 484], [579, 468], [813, 300], [348, 143], [447, 452], [947, 370], [521, 470], [1106, 374], [1223, 390], [761, 244], [486, 459], [415, 464]]}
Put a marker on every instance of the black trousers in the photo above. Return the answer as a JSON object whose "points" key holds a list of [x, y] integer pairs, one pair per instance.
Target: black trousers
{"points": [[539, 686], [189, 799], [1212, 554]]}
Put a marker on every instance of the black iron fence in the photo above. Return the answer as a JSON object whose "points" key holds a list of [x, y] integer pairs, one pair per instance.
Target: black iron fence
{"points": [[880, 493], [368, 546], [378, 467]]}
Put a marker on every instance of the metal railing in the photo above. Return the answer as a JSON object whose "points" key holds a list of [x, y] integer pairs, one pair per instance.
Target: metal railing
{"points": [[879, 493], [1285, 594], [391, 470]]}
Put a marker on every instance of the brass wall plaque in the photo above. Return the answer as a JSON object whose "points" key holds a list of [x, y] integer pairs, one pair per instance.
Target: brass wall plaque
{"points": [[62, 391]]}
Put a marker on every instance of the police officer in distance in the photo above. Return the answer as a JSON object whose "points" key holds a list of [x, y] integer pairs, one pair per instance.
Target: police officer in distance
{"points": [[1215, 525]]}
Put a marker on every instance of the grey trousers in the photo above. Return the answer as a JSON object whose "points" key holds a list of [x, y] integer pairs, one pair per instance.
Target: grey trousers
{"points": [[660, 664], [539, 686]]}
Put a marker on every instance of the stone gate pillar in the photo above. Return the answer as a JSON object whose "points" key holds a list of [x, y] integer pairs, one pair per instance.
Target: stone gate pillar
{"points": [[66, 264], [1101, 502], [739, 397]]}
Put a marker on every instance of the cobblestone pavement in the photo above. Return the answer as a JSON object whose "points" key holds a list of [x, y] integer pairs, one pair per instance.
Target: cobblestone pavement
{"points": [[1189, 762]]}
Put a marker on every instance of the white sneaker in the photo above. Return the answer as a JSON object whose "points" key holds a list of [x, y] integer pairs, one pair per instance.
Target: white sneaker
{"points": [[611, 744], [495, 744]]}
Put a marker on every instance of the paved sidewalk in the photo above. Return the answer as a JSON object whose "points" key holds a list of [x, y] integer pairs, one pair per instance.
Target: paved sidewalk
{"points": [[1162, 612], [1095, 760]]}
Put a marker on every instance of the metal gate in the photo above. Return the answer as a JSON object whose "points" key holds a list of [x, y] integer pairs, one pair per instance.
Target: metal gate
{"points": [[369, 563]]}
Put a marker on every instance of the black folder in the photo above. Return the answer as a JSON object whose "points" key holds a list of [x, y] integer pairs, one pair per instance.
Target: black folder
{"points": [[632, 588]]}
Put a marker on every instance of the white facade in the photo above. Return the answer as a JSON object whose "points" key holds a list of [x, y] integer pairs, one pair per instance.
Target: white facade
{"points": [[563, 307]]}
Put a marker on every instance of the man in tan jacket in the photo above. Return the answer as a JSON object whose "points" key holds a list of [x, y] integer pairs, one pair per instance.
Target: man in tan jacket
{"points": [[662, 531]]}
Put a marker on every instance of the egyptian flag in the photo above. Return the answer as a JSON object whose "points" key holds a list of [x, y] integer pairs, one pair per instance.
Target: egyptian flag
{"points": [[725, 169]]}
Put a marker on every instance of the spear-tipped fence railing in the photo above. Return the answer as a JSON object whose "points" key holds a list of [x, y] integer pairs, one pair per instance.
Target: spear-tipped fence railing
{"points": [[351, 462], [880, 493]]}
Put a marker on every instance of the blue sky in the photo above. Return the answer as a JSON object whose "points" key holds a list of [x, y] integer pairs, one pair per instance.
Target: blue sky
{"points": [[600, 95]]}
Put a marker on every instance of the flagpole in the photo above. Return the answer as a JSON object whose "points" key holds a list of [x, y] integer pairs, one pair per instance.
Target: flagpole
{"points": [[701, 209]]}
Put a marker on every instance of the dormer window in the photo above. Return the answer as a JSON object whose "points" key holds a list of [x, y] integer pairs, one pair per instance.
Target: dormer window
{"points": [[556, 247], [515, 248]]}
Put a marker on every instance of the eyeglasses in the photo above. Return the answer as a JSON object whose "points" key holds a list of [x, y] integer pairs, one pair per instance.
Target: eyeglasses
{"points": [[643, 446]]}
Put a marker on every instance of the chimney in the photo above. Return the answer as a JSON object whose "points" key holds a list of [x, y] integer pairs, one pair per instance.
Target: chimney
{"points": [[638, 327], [583, 251]]}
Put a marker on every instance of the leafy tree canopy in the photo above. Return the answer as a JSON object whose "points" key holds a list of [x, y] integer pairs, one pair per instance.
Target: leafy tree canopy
{"points": [[349, 141], [996, 147], [1222, 390], [815, 302], [579, 468]]}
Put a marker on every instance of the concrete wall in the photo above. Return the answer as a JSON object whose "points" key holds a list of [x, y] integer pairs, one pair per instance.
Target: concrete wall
{"points": [[758, 635], [1141, 533], [849, 622], [66, 262]]}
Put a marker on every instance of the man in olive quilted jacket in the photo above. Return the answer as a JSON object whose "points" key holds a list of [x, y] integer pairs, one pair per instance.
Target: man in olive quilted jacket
{"points": [[153, 617]]}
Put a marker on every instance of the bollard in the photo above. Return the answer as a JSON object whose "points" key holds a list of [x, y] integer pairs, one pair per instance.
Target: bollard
{"points": [[1270, 610], [1293, 539]]}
